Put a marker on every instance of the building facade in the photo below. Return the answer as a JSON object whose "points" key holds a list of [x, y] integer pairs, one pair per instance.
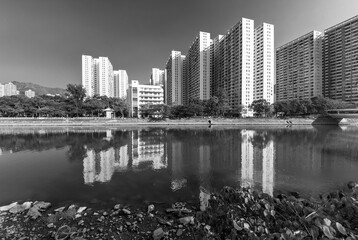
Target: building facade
{"points": [[174, 78], [157, 77], [232, 64], [29, 93], [120, 83], [196, 81], [299, 68], [340, 61], [97, 76], [8, 89], [264, 65], [139, 95]]}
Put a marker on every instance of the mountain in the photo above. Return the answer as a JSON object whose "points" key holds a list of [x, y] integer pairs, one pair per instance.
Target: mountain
{"points": [[38, 89]]}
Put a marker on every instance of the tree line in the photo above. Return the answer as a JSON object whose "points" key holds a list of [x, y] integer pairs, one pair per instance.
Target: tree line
{"points": [[76, 104], [73, 104]]}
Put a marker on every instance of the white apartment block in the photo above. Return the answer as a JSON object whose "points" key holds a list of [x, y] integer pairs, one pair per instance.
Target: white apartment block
{"points": [[264, 65], [174, 78], [8, 89], [120, 83], [157, 77], [232, 64], [2, 90], [139, 95], [299, 68], [88, 79], [197, 68], [105, 77], [97, 76], [29, 93]]}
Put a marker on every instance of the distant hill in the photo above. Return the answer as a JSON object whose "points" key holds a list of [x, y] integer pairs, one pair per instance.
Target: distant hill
{"points": [[38, 89]]}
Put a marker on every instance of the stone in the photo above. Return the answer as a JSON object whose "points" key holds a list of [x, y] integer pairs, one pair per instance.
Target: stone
{"points": [[60, 209], [81, 209], [187, 220], [126, 211], [81, 222], [158, 234], [50, 225], [105, 214], [117, 206], [150, 208], [33, 213], [7, 207], [42, 205], [72, 206], [17, 209], [179, 232]]}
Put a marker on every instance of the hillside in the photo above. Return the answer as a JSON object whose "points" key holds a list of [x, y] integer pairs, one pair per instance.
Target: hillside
{"points": [[39, 90]]}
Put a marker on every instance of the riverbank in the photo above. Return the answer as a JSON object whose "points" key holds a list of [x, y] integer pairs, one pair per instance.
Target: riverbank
{"points": [[189, 121], [230, 214]]}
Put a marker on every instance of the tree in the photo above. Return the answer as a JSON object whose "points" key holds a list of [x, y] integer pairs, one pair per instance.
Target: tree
{"points": [[76, 93], [261, 107]]}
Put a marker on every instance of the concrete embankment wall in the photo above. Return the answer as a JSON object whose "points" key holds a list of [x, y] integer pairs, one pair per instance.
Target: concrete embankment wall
{"points": [[130, 121], [190, 121]]}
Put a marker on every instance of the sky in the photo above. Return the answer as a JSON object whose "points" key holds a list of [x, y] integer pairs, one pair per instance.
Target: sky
{"points": [[42, 41]]}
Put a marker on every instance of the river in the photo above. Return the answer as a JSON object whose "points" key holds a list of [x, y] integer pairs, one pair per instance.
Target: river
{"points": [[138, 165]]}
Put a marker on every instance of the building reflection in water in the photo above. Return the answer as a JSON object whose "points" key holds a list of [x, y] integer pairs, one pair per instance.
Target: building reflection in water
{"points": [[257, 152], [144, 150]]}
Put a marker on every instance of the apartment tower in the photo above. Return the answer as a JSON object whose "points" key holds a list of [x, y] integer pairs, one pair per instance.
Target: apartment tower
{"points": [[174, 78], [340, 61], [232, 64], [197, 69], [264, 65], [120, 83], [97, 76], [157, 77], [299, 68]]}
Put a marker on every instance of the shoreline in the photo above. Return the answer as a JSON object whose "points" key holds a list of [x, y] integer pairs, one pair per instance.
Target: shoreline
{"points": [[231, 213], [183, 122]]}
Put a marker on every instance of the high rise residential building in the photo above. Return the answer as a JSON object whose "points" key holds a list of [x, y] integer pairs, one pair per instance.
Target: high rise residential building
{"points": [[157, 77], [299, 68], [120, 84], [197, 68], [29, 93], [232, 64], [340, 61], [10, 89], [105, 77], [264, 65], [174, 78], [2, 90], [97, 76], [139, 95], [88, 79]]}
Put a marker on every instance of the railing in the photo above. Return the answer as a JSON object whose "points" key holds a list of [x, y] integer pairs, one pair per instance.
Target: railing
{"points": [[343, 113]]}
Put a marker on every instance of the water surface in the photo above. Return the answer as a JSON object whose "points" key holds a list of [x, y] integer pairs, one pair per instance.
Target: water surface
{"points": [[140, 165]]}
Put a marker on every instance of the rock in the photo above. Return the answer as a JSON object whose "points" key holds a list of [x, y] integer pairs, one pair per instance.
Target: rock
{"points": [[117, 206], [95, 214], [78, 215], [60, 209], [33, 213], [158, 234], [42, 205], [115, 213], [187, 220], [17, 209], [179, 232], [81, 222], [150, 208], [81, 209], [72, 206], [105, 214], [50, 225], [7, 207], [126, 211], [128, 223]]}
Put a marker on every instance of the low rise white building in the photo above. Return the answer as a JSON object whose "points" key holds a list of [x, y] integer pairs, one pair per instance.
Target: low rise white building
{"points": [[29, 93], [139, 95]]}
